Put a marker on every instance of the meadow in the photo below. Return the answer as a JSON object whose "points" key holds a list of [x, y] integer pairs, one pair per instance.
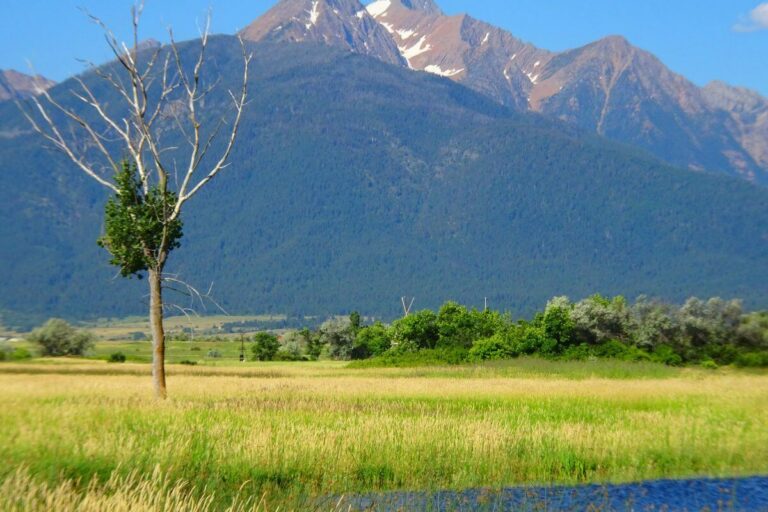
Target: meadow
{"points": [[79, 434]]}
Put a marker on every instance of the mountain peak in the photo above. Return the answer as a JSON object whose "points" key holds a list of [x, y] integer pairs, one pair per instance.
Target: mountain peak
{"points": [[379, 8], [614, 44], [343, 23]]}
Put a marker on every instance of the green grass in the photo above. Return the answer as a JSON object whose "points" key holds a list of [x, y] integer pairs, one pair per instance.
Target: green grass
{"points": [[287, 432], [175, 351]]}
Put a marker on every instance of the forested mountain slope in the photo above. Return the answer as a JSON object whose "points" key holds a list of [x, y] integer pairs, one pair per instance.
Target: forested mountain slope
{"points": [[356, 182]]}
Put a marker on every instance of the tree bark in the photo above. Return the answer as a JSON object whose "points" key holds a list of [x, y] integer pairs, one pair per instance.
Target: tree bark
{"points": [[158, 333]]}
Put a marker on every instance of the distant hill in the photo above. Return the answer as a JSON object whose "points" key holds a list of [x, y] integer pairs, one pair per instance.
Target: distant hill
{"points": [[356, 182]]}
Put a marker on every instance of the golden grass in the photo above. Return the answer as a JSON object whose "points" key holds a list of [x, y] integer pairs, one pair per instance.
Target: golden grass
{"points": [[291, 432]]}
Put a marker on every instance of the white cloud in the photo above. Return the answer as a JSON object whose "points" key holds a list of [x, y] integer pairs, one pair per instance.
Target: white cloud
{"points": [[757, 20]]}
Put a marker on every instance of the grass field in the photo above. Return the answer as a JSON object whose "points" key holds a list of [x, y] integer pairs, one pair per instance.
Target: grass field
{"points": [[123, 329], [285, 434]]}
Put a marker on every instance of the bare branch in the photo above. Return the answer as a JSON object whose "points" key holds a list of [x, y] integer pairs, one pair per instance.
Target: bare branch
{"points": [[196, 297], [239, 105], [54, 136]]}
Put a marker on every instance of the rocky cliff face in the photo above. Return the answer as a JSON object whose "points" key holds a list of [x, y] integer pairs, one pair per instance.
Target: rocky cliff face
{"points": [[748, 117]]}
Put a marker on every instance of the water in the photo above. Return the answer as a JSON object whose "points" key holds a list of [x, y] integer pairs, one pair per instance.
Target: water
{"points": [[710, 495]]}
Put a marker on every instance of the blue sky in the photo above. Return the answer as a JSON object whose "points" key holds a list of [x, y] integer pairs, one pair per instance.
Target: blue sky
{"points": [[701, 39]]}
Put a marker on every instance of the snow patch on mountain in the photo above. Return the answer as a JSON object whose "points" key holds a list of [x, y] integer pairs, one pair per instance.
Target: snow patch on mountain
{"points": [[414, 51], [314, 14], [379, 8], [437, 70]]}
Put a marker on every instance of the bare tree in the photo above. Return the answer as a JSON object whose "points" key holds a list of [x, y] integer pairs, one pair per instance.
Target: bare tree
{"points": [[156, 90], [407, 306]]}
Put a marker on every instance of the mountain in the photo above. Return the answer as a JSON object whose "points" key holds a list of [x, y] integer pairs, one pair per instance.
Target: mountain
{"points": [[609, 87], [469, 51], [343, 23], [627, 94], [441, 193], [15, 85], [748, 112]]}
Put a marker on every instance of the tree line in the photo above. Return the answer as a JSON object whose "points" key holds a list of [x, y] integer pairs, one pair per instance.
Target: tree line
{"points": [[709, 332]]}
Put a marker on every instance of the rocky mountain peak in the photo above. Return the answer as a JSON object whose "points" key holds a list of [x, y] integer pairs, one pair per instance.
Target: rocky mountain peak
{"points": [[612, 48], [609, 86], [344, 23], [380, 8]]}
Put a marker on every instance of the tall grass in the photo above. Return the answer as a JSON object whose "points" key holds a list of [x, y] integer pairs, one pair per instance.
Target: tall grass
{"points": [[293, 433], [20, 492]]}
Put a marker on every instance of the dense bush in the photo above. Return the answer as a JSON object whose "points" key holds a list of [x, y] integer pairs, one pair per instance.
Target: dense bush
{"points": [[8, 353], [57, 338], [428, 357], [418, 331], [753, 360], [496, 347], [666, 355], [116, 357], [371, 341], [20, 354], [265, 346]]}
